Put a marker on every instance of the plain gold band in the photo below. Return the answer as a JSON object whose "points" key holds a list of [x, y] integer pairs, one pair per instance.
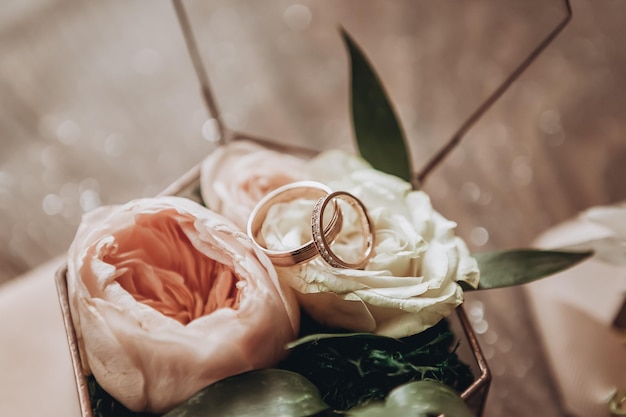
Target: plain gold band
{"points": [[322, 243], [286, 193]]}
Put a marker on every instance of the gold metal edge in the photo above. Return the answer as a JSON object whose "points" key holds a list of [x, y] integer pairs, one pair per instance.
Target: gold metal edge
{"points": [[182, 182], [483, 382], [81, 383]]}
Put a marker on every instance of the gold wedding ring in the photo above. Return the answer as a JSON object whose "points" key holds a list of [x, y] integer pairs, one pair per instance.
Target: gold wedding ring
{"points": [[302, 189], [321, 241]]}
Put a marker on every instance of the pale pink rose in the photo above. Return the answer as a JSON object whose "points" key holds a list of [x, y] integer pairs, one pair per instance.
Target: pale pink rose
{"points": [[168, 297], [237, 175]]}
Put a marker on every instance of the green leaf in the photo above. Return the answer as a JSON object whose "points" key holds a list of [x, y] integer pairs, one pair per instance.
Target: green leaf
{"points": [[264, 393], [516, 267], [314, 338], [378, 133], [419, 398]]}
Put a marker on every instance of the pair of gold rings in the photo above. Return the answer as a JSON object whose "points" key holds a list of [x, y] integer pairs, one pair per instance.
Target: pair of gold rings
{"points": [[322, 237]]}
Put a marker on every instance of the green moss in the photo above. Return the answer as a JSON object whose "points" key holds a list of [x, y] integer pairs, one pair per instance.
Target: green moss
{"points": [[353, 371]]}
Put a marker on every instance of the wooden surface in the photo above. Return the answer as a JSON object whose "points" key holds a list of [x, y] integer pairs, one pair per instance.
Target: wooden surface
{"points": [[99, 104]]}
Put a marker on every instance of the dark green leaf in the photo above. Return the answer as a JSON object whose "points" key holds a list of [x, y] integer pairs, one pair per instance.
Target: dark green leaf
{"points": [[264, 393], [379, 137], [516, 267], [420, 398]]}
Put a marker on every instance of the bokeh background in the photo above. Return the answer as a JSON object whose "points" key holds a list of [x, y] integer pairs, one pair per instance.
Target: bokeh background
{"points": [[99, 104]]}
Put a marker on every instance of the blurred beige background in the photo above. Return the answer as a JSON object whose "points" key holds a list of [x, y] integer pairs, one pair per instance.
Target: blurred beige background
{"points": [[99, 104]]}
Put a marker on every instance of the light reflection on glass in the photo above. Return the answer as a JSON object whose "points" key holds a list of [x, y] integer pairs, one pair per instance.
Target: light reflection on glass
{"points": [[522, 170], [210, 131], [68, 132], [297, 17], [52, 204], [479, 236]]}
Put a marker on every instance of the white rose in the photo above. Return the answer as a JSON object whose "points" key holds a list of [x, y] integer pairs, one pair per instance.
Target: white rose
{"points": [[409, 283]]}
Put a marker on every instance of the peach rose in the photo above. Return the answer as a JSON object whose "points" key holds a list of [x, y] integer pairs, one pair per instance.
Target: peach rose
{"points": [[237, 175], [168, 297]]}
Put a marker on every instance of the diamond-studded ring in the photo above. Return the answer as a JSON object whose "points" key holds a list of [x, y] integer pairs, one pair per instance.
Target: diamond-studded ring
{"points": [[323, 244], [297, 190]]}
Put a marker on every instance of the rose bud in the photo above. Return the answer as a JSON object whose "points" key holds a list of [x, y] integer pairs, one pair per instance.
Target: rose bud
{"points": [[167, 297], [237, 175]]}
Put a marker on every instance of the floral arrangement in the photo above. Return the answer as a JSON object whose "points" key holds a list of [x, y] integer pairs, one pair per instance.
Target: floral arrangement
{"points": [[299, 287]]}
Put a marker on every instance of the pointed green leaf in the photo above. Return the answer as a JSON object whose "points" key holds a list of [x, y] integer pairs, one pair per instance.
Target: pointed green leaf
{"points": [[314, 338], [417, 399], [268, 392], [516, 267], [379, 136]]}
